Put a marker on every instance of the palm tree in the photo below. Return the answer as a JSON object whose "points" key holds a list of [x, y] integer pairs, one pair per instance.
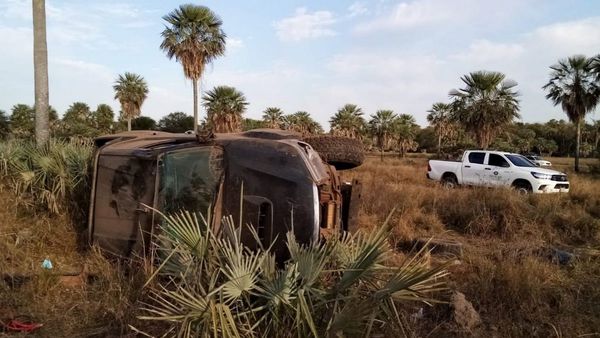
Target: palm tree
{"points": [[40, 68], [404, 129], [381, 126], [273, 117], [573, 85], [303, 123], [440, 118], [486, 105], [131, 90], [195, 38], [348, 121], [225, 106]]}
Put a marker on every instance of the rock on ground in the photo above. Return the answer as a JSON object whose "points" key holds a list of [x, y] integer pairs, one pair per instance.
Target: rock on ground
{"points": [[463, 313]]}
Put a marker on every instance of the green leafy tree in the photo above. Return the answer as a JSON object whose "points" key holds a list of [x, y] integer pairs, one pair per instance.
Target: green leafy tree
{"points": [[225, 106], [486, 105], [381, 126], [177, 122], [143, 123], [575, 87], [348, 122], [78, 122], [302, 123], [131, 90], [440, 118], [4, 125], [103, 118], [273, 117], [22, 120], [194, 38]]}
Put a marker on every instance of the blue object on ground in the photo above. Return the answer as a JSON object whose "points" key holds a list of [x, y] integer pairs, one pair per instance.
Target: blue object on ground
{"points": [[47, 264]]}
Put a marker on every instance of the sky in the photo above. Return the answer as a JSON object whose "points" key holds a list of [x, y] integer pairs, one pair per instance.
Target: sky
{"points": [[311, 55]]}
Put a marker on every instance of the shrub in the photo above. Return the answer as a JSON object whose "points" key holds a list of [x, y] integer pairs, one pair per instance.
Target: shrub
{"points": [[53, 177], [211, 284]]}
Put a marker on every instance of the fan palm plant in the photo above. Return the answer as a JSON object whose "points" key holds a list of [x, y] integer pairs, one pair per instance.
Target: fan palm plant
{"points": [[404, 131], [40, 67], [273, 117], [194, 38], [210, 284], [486, 104], [303, 123], [131, 90], [440, 118], [348, 122], [381, 125], [575, 86], [225, 106]]}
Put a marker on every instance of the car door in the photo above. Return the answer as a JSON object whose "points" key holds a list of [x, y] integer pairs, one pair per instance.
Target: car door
{"points": [[473, 168], [498, 171]]}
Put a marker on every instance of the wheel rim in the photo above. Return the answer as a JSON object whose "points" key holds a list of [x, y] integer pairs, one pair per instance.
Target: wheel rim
{"points": [[449, 184], [522, 190]]}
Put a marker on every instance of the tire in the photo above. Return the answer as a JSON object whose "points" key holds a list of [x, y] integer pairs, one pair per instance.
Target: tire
{"points": [[341, 152], [449, 182], [522, 187]]}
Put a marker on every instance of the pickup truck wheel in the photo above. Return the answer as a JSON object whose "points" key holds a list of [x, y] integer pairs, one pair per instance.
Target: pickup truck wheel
{"points": [[449, 182], [340, 152], [523, 188]]}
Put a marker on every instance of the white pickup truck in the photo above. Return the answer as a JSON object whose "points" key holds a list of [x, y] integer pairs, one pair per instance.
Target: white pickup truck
{"points": [[497, 169]]}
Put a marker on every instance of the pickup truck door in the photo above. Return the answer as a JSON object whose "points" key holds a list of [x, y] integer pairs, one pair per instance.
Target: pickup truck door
{"points": [[473, 171], [498, 170]]}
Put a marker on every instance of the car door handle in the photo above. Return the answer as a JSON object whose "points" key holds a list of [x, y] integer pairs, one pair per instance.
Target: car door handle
{"points": [[467, 166], [488, 168]]}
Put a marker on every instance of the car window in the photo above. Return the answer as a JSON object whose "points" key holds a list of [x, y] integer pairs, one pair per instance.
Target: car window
{"points": [[476, 157], [498, 161], [520, 161]]}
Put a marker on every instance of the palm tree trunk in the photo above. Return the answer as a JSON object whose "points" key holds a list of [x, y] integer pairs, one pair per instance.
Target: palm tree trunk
{"points": [[577, 146], [439, 149], [195, 85], [40, 66], [129, 124]]}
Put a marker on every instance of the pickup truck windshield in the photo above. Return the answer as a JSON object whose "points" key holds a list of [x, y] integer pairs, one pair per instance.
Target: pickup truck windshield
{"points": [[520, 161], [189, 179]]}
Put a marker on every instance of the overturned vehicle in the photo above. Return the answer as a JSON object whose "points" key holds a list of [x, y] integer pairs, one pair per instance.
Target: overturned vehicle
{"points": [[277, 180]]}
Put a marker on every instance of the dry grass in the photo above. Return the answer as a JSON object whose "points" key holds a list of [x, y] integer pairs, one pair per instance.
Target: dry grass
{"points": [[506, 269]]}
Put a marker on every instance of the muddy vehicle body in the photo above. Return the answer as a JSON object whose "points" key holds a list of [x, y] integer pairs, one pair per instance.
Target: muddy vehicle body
{"points": [[277, 181]]}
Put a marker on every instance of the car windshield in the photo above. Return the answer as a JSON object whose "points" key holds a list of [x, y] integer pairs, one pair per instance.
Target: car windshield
{"points": [[520, 161]]}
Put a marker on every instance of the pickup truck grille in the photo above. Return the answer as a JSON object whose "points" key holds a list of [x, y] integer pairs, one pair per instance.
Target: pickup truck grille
{"points": [[561, 186], [559, 178]]}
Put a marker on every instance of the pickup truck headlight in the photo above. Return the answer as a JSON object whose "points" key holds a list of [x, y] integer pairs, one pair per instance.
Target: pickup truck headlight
{"points": [[541, 176]]}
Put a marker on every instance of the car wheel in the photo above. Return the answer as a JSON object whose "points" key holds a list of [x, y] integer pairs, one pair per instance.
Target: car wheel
{"points": [[341, 152], [522, 188], [449, 182]]}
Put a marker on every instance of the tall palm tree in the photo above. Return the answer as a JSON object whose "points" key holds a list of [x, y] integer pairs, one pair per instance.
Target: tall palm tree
{"points": [[573, 85], [348, 121], [486, 105], [404, 129], [225, 106], [40, 69], [273, 117], [440, 118], [194, 38], [131, 90], [381, 126]]}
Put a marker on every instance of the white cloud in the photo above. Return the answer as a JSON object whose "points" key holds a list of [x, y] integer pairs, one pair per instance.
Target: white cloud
{"points": [[406, 15], [234, 43], [118, 9], [357, 9], [486, 51], [305, 25]]}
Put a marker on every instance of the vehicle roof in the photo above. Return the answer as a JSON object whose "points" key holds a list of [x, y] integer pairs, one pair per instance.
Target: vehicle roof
{"points": [[493, 152], [148, 139]]}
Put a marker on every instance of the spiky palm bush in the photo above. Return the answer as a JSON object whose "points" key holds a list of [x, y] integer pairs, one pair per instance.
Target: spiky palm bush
{"points": [[212, 285], [53, 177]]}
